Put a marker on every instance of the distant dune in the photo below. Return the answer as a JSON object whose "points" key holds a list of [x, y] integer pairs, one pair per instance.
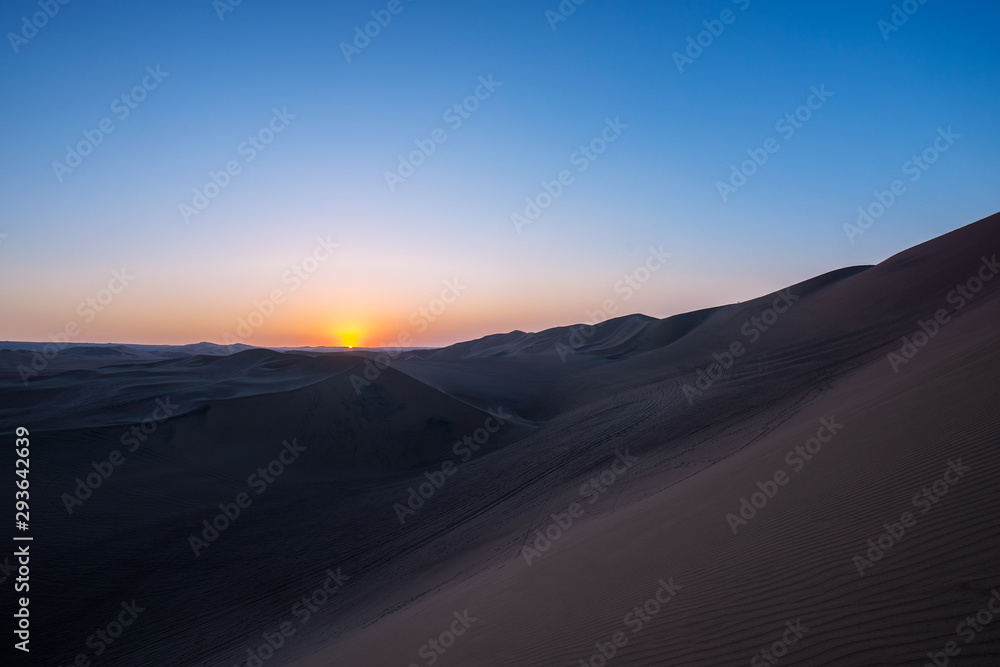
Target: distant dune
{"points": [[809, 476]]}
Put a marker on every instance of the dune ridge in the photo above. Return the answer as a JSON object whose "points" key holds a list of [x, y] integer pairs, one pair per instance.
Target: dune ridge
{"points": [[675, 425]]}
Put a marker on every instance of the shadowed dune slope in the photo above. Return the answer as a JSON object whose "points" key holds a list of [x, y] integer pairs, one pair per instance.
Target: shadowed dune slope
{"points": [[659, 431], [900, 428]]}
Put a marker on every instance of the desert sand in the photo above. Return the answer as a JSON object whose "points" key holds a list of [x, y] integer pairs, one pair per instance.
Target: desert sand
{"points": [[808, 478]]}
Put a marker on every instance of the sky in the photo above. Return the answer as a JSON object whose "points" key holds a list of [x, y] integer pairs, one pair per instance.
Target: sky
{"points": [[424, 172]]}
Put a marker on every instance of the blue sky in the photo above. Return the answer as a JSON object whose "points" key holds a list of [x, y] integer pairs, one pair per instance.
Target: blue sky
{"points": [[324, 173]]}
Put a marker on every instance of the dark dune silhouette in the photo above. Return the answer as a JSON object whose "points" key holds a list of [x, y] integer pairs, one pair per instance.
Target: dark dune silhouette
{"points": [[743, 462]]}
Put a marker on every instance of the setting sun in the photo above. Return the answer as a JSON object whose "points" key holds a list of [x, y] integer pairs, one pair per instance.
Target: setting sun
{"points": [[349, 337]]}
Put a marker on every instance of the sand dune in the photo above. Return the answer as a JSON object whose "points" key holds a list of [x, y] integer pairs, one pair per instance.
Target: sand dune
{"points": [[688, 491]]}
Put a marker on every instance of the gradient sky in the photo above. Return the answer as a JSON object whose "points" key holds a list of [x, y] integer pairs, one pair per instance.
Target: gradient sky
{"points": [[323, 176]]}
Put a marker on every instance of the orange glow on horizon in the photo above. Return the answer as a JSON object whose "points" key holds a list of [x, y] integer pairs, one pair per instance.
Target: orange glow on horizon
{"points": [[348, 337]]}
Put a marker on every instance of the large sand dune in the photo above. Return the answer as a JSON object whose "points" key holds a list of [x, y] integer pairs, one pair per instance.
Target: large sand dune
{"points": [[780, 475]]}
